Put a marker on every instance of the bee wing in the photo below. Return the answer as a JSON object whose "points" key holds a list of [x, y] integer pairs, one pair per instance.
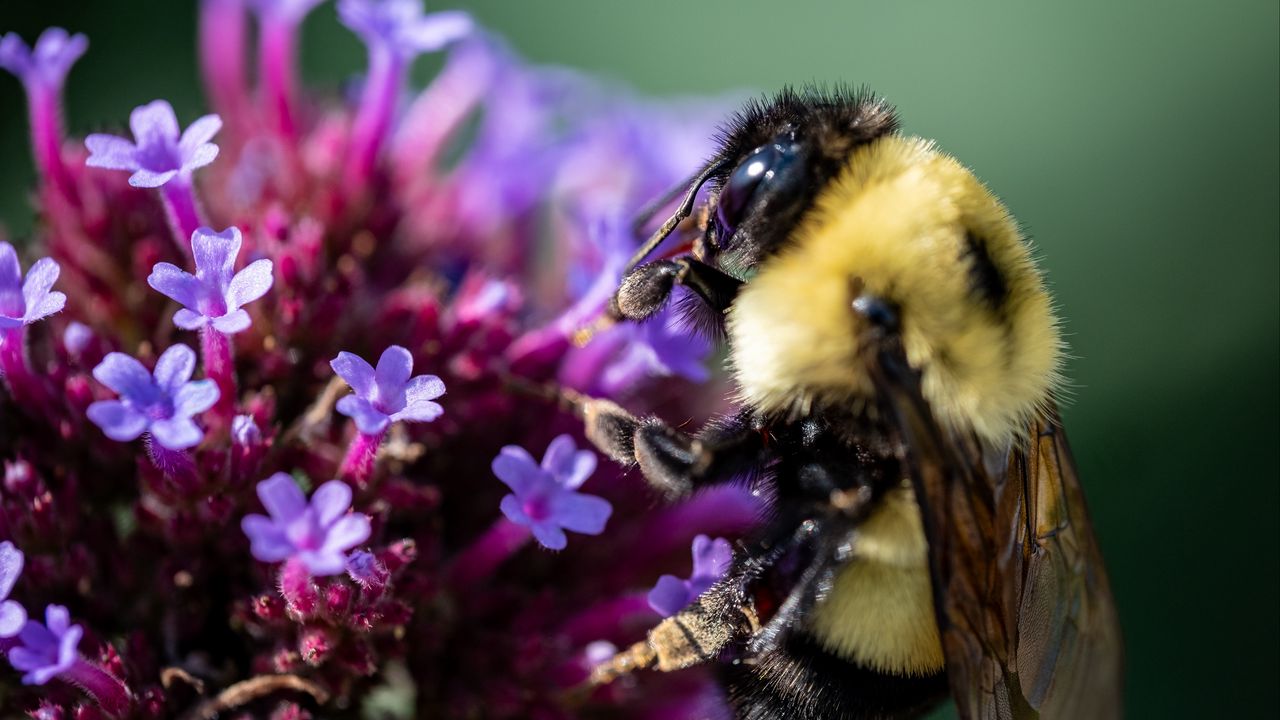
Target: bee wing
{"points": [[1028, 625]]}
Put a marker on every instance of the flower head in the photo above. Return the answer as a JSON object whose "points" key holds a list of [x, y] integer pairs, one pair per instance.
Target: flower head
{"points": [[158, 153], [48, 650], [12, 614], [318, 534], [48, 62], [711, 560], [544, 497], [387, 394], [401, 27], [23, 302], [215, 295], [162, 403]]}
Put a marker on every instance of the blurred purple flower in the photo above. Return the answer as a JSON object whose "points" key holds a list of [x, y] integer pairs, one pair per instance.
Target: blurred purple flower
{"points": [[711, 560], [244, 431], [12, 614], [76, 337], [543, 496], [388, 394], [293, 9], [162, 403], [158, 154], [400, 27], [23, 302], [215, 294], [46, 651], [317, 534], [48, 62]]}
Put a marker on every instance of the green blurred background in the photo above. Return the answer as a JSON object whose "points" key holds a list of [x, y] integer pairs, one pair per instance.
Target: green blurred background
{"points": [[1137, 143]]}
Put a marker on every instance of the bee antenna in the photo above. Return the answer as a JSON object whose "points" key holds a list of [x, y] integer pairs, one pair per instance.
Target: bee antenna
{"points": [[682, 212]]}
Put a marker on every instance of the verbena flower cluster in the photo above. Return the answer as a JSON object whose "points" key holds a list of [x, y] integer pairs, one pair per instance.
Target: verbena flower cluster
{"points": [[276, 383]]}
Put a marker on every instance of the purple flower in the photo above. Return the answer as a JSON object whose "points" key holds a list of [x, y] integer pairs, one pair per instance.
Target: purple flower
{"points": [[48, 650], [388, 394], [318, 534], [214, 295], [23, 302], [157, 154], [543, 496], [162, 403], [12, 614], [292, 9], [400, 27], [244, 431], [48, 62], [711, 560]]}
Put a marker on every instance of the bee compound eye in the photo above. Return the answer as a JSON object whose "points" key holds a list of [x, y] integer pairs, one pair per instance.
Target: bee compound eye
{"points": [[743, 184]]}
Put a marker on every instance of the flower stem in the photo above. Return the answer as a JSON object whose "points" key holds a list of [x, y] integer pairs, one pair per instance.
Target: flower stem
{"points": [[377, 104], [182, 210], [176, 465], [102, 686], [486, 553], [222, 50], [357, 466], [276, 66], [219, 366], [438, 112], [45, 108]]}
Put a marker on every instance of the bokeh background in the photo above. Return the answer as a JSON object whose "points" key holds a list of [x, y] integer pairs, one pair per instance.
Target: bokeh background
{"points": [[1136, 142]]}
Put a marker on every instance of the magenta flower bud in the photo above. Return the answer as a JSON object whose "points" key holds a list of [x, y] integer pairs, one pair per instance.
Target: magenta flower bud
{"points": [[315, 644], [269, 608], [368, 572], [301, 596], [337, 599]]}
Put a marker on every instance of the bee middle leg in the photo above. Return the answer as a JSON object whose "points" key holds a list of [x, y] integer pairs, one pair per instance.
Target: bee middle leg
{"points": [[672, 461]]}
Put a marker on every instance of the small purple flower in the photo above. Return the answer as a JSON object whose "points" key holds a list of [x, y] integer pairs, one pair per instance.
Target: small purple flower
{"points": [[48, 650], [711, 560], [318, 534], [162, 403], [400, 27], [76, 337], [215, 294], [23, 302], [157, 154], [543, 496], [244, 431], [388, 394], [12, 614], [48, 62], [366, 571]]}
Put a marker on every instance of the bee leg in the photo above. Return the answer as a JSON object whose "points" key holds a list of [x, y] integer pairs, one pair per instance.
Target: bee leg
{"points": [[671, 461], [646, 290]]}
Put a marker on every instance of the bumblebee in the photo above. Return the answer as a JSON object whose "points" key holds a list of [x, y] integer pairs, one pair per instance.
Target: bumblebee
{"points": [[896, 358]]}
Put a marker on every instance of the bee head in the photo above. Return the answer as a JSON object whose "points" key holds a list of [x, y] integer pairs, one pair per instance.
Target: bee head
{"points": [[904, 240]]}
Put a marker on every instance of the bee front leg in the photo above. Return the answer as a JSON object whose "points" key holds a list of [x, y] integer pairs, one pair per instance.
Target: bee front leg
{"points": [[646, 290], [673, 462]]}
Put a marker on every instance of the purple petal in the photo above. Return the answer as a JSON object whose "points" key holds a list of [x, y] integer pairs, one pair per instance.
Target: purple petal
{"points": [[189, 319], [357, 373], [12, 617], [118, 421], [558, 458], [514, 510], [151, 179], [40, 279], [349, 531], [10, 567], [174, 367], [67, 644], [549, 536], [215, 255], [516, 467], [669, 596], [194, 398], [177, 284], [369, 420], [586, 514], [711, 558], [15, 56], [125, 375], [423, 387], [436, 30], [422, 411], [10, 270], [111, 152], [232, 323], [177, 433], [198, 133], [323, 562], [201, 156], [584, 463], [330, 501], [282, 498], [267, 540], [57, 618], [154, 123], [250, 283], [394, 368], [49, 304]]}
